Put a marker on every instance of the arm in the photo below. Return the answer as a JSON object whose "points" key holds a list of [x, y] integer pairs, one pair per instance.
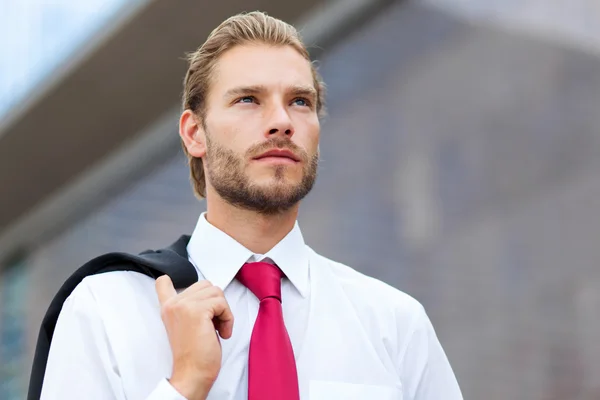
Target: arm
{"points": [[81, 363], [425, 371]]}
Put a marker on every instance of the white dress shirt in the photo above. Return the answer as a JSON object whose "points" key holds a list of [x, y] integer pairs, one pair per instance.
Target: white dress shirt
{"points": [[354, 337]]}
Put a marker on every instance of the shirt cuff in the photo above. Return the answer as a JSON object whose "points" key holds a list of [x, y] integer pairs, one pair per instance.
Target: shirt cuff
{"points": [[165, 391]]}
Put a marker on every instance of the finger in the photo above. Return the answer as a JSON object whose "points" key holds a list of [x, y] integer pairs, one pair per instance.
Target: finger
{"points": [[222, 316], [224, 328], [206, 293], [198, 286], [165, 289]]}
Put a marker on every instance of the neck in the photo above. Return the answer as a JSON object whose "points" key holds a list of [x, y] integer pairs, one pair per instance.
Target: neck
{"points": [[258, 233]]}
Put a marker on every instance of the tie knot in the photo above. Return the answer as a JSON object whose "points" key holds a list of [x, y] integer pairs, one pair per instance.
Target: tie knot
{"points": [[263, 279]]}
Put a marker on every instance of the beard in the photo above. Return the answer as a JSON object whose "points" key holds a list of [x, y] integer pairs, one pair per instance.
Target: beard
{"points": [[226, 171]]}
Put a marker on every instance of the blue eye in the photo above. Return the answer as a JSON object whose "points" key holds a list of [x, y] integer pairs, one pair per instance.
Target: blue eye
{"points": [[303, 102], [246, 99]]}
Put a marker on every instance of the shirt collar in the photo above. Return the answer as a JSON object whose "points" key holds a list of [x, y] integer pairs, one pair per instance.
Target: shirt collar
{"points": [[219, 257]]}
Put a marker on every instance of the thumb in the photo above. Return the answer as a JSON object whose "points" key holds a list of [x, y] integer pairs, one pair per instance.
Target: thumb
{"points": [[165, 289]]}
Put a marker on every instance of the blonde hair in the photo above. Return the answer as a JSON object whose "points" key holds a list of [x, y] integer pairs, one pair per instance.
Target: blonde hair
{"points": [[245, 28]]}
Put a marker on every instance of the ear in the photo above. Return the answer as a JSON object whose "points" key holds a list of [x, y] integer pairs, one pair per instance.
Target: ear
{"points": [[192, 133]]}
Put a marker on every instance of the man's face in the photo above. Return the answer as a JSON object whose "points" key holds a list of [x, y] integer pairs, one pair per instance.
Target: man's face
{"points": [[262, 128]]}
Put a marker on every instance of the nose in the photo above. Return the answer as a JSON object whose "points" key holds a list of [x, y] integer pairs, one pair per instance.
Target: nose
{"points": [[280, 123]]}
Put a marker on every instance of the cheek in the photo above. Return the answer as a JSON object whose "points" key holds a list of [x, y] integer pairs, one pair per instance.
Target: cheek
{"points": [[230, 134], [313, 134]]}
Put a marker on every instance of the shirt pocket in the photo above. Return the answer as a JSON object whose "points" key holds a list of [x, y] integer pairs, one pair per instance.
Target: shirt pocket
{"points": [[332, 390]]}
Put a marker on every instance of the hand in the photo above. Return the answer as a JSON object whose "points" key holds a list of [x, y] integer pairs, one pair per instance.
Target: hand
{"points": [[191, 319]]}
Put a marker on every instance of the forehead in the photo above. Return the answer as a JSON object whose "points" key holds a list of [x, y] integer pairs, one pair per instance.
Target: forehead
{"points": [[269, 66]]}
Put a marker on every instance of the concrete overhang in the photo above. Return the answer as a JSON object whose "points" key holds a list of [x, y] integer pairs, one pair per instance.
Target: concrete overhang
{"points": [[132, 77]]}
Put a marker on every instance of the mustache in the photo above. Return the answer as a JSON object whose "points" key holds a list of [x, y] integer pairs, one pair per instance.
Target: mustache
{"points": [[281, 143]]}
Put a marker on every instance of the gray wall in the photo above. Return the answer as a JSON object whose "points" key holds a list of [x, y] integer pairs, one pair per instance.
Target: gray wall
{"points": [[459, 165]]}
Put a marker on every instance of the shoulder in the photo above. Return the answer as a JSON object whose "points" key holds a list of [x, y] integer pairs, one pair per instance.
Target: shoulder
{"points": [[113, 290], [372, 295], [389, 317]]}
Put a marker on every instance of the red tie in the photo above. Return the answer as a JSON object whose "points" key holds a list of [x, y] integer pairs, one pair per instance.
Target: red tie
{"points": [[271, 365]]}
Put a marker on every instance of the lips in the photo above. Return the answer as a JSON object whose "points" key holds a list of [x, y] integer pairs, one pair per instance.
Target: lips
{"points": [[279, 153]]}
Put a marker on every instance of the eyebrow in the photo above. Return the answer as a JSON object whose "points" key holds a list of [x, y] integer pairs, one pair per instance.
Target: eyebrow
{"points": [[307, 91]]}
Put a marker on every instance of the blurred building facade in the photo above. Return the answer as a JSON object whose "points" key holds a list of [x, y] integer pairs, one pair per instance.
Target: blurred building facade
{"points": [[459, 164]]}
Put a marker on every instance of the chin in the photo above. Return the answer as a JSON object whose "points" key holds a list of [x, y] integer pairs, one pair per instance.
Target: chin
{"points": [[274, 184], [277, 184], [278, 177]]}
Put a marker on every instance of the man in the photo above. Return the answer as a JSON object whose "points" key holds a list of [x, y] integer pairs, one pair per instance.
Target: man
{"points": [[290, 323]]}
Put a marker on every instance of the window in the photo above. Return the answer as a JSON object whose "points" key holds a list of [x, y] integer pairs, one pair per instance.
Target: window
{"points": [[13, 291]]}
